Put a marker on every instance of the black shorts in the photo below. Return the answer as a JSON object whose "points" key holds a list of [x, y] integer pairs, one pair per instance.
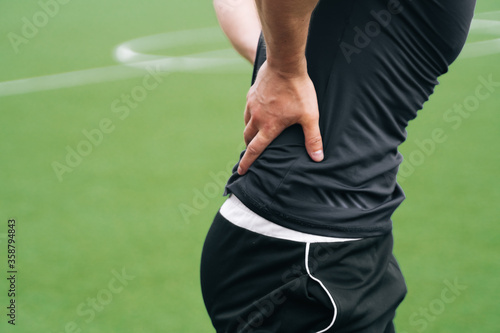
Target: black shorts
{"points": [[259, 284]]}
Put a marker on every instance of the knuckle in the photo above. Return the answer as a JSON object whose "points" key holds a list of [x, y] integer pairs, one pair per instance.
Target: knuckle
{"points": [[314, 140], [252, 150], [272, 129], [255, 112]]}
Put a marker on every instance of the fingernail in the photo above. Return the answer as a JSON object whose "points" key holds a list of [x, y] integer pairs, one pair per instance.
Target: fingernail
{"points": [[317, 155], [240, 171]]}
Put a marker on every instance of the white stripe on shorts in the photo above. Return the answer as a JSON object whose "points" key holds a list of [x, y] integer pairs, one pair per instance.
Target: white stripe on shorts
{"points": [[335, 311], [237, 213]]}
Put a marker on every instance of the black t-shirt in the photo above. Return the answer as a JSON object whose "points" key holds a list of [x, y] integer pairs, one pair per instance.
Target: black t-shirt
{"points": [[374, 63]]}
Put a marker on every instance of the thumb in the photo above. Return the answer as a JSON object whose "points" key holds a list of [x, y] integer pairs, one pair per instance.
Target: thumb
{"points": [[313, 140]]}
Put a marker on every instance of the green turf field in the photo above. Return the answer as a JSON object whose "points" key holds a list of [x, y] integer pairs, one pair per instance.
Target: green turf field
{"points": [[113, 172]]}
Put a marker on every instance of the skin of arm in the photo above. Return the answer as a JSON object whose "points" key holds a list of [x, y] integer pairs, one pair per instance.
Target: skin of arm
{"points": [[240, 22], [283, 94]]}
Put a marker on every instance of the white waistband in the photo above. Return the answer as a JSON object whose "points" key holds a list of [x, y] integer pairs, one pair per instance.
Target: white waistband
{"points": [[237, 213]]}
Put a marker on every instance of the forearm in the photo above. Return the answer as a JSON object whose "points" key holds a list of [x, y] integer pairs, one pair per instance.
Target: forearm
{"points": [[240, 22], [283, 94], [285, 25]]}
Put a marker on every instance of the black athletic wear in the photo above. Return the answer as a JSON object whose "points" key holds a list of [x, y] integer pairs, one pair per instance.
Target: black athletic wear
{"points": [[374, 63], [253, 283]]}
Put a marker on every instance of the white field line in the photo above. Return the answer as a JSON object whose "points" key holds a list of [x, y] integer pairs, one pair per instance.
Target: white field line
{"points": [[134, 63], [117, 72], [134, 58], [486, 24], [481, 49]]}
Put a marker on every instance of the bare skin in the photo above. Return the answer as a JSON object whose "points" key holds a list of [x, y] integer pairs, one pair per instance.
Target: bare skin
{"points": [[240, 22], [283, 94]]}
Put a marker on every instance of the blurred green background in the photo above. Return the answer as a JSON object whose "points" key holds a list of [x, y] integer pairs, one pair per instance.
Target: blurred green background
{"points": [[114, 174]]}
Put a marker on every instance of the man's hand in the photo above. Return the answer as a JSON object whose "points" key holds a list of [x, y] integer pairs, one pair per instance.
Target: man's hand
{"points": [[276, 101], [283, 94]]}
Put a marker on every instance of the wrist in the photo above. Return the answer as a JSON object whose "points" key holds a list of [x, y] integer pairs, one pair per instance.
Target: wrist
{"points": [[288, 68]]}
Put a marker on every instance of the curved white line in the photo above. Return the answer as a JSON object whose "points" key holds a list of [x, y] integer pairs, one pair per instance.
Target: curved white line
{"points": [[481, 49], [133, 63], [135, 52], [491, 27], [485, 25], [308, 246], [133, 57]]}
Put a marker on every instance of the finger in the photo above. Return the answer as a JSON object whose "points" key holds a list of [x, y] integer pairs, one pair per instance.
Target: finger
{"points": [[250, 132], [247, 115], [313, 140], [253, 151]]}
